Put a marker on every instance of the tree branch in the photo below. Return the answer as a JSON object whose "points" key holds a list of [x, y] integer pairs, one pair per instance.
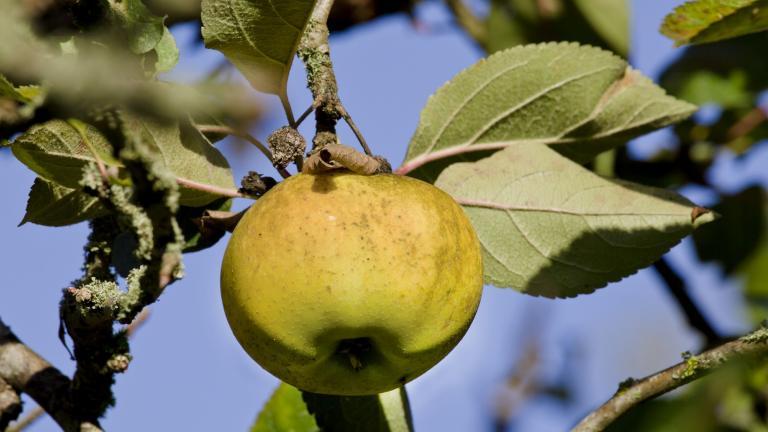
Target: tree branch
{"points": [[315, 52], [676, 286], [89, 308], [27, 420], [29, 373], [633, 392], [471, 24], [38, 412], [748, 123], [10, 404]]}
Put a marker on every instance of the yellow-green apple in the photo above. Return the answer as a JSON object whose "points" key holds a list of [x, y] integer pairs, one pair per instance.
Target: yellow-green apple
{"points": [[348, 284]]}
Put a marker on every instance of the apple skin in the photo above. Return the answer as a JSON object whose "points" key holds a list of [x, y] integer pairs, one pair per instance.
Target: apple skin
{"points": [[346, 284]]}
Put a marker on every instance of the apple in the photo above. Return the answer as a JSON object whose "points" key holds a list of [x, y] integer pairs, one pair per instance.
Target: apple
{"points": [[346, 284]]}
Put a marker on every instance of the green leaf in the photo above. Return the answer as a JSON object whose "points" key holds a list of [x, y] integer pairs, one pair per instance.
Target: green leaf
{"points": [[549, 227], [701, 21], [143, 28], [602, 23], [285, 412], [167, 52], [732, 239], [29, 97], [52, 205], [259, 37], [578, 99], [386, 412], [189, 156], [727, 73], [145, 33], [194, 240], [22, 94], [57, 152], [610, 18]]}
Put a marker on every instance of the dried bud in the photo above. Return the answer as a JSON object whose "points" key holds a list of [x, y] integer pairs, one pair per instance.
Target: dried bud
{"points": [[255, 184], [286, 145]]}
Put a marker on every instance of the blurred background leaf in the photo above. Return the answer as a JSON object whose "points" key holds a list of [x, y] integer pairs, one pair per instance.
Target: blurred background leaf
{"points": [[738, 233], [701, 21], [602, 23]]}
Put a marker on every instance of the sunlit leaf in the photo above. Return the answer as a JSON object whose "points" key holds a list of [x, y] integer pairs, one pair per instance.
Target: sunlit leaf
{"points": [[578, 99], [549, 227], [700, 21], [57, 152], [188, 155], [259, 37], [285, 411], [167, 53]]}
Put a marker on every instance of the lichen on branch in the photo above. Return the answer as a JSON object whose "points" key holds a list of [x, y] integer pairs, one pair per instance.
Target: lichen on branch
{"points": [[632, 392], [145, 211], [314, 50]]}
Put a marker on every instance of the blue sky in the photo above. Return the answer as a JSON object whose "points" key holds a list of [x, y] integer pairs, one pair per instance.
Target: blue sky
{"points": [[189, 373]]}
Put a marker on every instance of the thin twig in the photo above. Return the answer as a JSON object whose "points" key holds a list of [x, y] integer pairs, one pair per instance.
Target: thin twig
{"points": [[137, 322], [748, 123], [205, 128], [471, 24], [211, 189], [521, 384], [288, 110], [676, 286], [35, 414], [306, 114], [345, 115], [633, 392]]}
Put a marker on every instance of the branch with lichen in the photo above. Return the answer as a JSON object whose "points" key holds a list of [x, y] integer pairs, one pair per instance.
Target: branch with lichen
{"points": [[315, 52], [10, 404], [27, 372], [632, 392], [146, 211]]}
